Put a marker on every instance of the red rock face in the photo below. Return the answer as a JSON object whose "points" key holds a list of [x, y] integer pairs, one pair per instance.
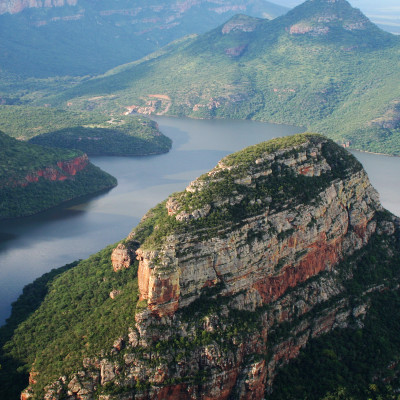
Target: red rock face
{"points": [[320, 257], [71, 167], [160, 289], [173, 392], [64, 170]]}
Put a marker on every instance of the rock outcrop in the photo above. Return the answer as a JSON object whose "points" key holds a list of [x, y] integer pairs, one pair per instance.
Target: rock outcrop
{"points": [[60, 172], [123, 256], [238, 272]]}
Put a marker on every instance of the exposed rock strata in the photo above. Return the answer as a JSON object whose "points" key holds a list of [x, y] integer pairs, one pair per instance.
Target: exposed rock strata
{"points": [[215, 296], [60, 172]]}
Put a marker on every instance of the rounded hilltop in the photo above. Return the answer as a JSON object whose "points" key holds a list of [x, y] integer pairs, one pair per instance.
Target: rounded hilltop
{"points": [[265, 177]]}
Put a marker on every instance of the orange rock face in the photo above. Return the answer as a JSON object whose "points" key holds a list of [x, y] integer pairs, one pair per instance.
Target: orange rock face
{"points": [[160, 288], [64, 170], [320, 257], [121, 257]]}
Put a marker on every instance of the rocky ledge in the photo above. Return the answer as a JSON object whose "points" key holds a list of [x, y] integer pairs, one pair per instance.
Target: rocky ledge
{"points": [[237, 273]]}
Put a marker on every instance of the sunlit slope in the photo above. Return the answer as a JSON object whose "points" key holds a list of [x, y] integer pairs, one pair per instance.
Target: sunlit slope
{"points": [[323, 65], [90, 37]]}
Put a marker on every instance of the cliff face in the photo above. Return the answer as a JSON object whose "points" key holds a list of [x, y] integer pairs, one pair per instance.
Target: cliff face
{"points": [[263, 254], [64, 170], [255, 245]]}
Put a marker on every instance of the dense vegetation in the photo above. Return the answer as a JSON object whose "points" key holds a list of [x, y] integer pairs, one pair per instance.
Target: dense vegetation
{"points": [[32, 296], [19, 158], [332, 74], [92, 133], [19, 201], [20, 198], [129, 137], [101, 35], [76, 319]]}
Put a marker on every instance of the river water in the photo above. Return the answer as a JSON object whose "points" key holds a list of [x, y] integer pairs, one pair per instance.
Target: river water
{"points": [[32, 246]]}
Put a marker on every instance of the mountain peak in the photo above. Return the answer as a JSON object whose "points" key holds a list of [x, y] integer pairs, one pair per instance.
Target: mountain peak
{"points": [[322, 17], [241, 22]]}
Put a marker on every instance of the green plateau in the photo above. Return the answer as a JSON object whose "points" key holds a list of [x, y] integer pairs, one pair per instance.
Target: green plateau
{"points": [[92, 133], [323, 65]]}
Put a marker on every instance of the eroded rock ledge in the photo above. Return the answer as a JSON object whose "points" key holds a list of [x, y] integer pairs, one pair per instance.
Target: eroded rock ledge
{"points": [[256, 244]]}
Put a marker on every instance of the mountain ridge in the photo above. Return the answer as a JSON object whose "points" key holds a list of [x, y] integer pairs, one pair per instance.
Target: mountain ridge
{"points": [[338, 71], [41, 42]]}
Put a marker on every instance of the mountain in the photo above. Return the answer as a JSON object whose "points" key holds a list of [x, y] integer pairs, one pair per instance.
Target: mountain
{"points": [[384, 13], [79, 37], [220, 286], [34, 178], [323, 65]]}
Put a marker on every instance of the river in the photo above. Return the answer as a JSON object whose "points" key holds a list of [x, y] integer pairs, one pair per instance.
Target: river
{"points": [[34, 245]]}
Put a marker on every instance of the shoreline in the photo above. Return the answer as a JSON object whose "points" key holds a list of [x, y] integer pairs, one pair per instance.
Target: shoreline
{"points": [[373, 152]]}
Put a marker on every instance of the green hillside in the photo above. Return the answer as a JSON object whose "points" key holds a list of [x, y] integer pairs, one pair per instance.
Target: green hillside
{"points": [[91, 37], [34, 178], [86, 288], [92, 133], [323, 65]]}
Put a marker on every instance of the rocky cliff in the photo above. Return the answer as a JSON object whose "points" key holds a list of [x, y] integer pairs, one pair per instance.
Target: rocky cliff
{"points": [[237, 273], [60, 172]]}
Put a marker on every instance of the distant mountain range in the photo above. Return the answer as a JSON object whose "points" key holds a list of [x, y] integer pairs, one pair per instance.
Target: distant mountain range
{"points": [[79, 37], [323, 65]]}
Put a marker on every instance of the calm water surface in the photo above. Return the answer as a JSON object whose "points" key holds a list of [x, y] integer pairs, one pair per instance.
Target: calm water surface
{"points": [[32, 246]]}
